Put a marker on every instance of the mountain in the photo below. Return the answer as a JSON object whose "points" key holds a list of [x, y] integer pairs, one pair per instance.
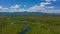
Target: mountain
{"points": [[26, 13]]}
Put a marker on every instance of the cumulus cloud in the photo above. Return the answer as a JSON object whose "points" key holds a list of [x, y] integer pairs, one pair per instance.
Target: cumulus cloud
{"points": [[50, 0], [15, 6], [47, 0], [1, 7], [40, 7], [43, 8], [50, 7], [36, 8], [45, 3]]}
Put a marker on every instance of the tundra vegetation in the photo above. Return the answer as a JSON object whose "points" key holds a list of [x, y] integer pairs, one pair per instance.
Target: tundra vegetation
{"points": [[39, 24]]}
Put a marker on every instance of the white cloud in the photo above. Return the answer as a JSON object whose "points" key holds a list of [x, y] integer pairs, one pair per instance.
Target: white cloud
{"points": [[50, 0], [52, 11], [1, 7], [40, 7], [47, 0], [37, 8], [45, 3], [43, 8], [42, 4], [15, 6], [50, 7], [54, 0]]}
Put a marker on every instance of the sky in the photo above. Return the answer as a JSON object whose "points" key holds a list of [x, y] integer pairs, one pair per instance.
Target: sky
{"points": [[45, 6]]}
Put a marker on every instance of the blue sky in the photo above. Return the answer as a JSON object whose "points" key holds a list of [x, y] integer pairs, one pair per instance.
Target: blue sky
{"points": [[29, 5], [22, 2]]}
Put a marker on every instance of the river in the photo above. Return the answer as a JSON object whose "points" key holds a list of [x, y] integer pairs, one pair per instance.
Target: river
{"points": [[26, 30]]}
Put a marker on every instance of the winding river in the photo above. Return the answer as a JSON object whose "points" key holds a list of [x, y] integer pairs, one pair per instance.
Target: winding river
{"points": [[27, 29]]}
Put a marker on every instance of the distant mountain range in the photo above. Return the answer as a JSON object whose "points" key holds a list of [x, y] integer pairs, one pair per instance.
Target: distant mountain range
{"points": [[26, 13]]}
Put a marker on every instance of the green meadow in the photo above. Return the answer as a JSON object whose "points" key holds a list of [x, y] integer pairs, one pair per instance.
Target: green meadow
{"points": [[39, 24]]}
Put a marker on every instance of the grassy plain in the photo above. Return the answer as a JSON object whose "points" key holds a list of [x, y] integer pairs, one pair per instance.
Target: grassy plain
{"points": [[38, 24]]}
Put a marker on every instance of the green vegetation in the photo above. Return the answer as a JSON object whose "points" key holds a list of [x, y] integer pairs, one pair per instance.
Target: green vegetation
{"points": [[38, 24]]}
